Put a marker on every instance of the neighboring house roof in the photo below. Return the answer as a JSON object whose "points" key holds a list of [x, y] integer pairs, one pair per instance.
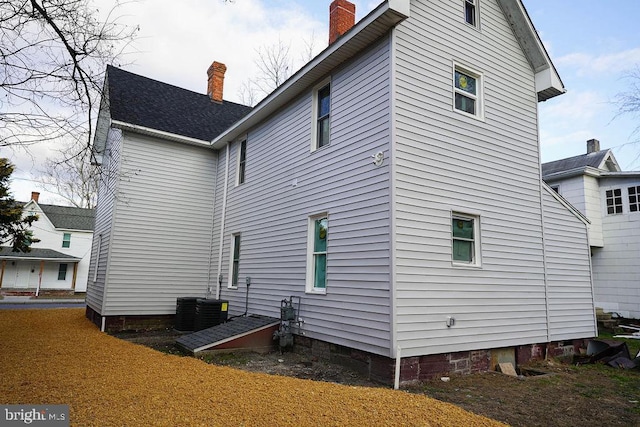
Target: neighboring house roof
{"points": [[141, 101], [66, 217], [40, 254], [593, 160], [69, 218]]}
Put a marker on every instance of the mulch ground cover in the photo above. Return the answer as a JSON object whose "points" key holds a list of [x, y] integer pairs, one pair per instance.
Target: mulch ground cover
{"points": [[56, 356]]}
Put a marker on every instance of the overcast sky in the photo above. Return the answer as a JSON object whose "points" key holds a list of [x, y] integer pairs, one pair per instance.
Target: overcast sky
{"points": [[593, 43]]}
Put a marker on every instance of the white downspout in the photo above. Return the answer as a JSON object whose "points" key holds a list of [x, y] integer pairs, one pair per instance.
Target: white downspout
{"points": [[223, 217]]}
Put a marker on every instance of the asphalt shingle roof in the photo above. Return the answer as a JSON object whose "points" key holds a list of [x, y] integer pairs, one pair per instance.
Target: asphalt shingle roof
{"points": [[68, 217], [592, 159], [35, 253], [146, 102]]}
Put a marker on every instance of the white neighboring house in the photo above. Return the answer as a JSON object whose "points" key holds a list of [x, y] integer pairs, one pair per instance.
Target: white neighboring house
{"points": [[60, 260], [610, 199]]}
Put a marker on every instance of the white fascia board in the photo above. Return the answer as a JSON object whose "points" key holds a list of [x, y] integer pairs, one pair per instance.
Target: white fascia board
{"points": [[366, 31], [548, 84], [547, 79], [158, 133], [566, 204]]}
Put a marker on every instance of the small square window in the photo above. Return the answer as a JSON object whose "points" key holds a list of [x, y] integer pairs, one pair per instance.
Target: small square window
{"points": [[62, 272], [465, 239], [614, 201], [634, 199], [66, 240], [467, 88], [470, 12], [317, 253]]}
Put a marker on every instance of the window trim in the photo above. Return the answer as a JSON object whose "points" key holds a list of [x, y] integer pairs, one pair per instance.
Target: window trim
{"points": [[636, 204], [63, 271], [241, 165], [478, 97], [310, 285], [314, 113], [613, 196], [476, 262], [233, 261], [476, 13], [65, 240], [97, 265]]}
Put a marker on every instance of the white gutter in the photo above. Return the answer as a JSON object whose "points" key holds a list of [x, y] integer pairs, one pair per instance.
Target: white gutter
{"points": [[582, 170], [143, 130], [223, 217]]}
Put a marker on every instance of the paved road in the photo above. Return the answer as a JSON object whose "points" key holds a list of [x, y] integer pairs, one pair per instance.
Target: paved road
{"points": [[31, 306], [10, 302]]}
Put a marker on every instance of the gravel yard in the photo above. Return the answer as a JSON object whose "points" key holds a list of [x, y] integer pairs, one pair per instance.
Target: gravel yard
{"points": [[56, 356]]}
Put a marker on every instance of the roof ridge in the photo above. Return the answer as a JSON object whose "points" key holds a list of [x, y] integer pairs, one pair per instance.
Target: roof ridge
{"points": [[170, 84]]}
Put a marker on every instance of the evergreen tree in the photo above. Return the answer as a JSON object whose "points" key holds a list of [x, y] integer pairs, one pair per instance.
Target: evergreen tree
{"points": [[13, 227]]}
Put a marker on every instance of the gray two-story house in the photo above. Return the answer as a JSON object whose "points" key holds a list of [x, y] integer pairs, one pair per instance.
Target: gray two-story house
{"points": [[393, 184]]}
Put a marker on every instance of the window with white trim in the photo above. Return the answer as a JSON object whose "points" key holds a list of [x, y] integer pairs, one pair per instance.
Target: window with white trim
{"points": [[234, 265], [321, 132], [317, 236], [97, 263], [634, 198], [66, 240], [242, 161], [471, 12], [465, 239], [614, 201], [467, 92], [62, 272]]}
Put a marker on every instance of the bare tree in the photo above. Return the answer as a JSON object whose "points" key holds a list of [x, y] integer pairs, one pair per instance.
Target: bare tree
{"points": [[72, 176], [53, 54], [275, 66], [629, 101]]}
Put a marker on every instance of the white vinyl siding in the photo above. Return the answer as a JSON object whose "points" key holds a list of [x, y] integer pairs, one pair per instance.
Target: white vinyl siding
{"points": [[152, 265], [616, 266], [447, 161], [571, 313], [340, 179], [105, 209]]}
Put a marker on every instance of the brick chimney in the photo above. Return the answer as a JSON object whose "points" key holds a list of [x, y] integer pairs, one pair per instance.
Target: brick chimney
{"points": [[593, 145], [34, 196], [215, 82], [342, 16]]}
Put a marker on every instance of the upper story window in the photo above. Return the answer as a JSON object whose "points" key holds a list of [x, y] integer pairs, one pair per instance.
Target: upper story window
{"points": [[321, 116], [465, 239], [66, 240], [242, 160], [317, 253], [556, 188], [471, 12], [634, 199], [467, 88], [614, 201]]}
